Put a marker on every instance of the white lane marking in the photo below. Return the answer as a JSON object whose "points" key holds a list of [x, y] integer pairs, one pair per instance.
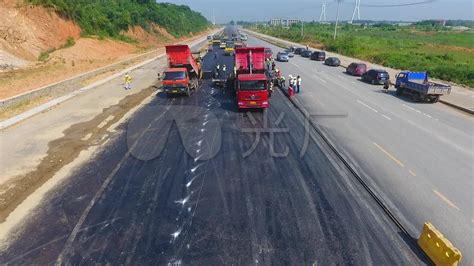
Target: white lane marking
{"points": [[322, 80], [411, 108], [418, 111], [388, 118], [353, 82], [294, 64], [367, 106]]}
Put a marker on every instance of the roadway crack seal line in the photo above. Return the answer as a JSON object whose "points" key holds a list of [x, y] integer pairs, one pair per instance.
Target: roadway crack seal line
{"points": [[359, 178]]}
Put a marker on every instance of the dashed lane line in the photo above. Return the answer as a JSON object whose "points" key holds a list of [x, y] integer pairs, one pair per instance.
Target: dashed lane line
{"points": [[320, 79], [294, 64], [450, 203], [411, 108], [386, 117], [364, 104], [412, 172], [389, 155]]}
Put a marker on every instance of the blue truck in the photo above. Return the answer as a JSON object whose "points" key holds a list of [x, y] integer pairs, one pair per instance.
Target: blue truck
{"points": [[417, 85]]}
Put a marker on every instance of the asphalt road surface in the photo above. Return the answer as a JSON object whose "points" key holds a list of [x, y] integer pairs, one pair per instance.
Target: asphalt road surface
{"points": [[150, 196], [418, 157]]}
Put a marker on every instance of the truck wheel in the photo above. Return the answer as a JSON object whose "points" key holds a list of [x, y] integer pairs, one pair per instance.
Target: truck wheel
{"points": [[435, 99], [399, 91], [416, 97], [373, 82]]}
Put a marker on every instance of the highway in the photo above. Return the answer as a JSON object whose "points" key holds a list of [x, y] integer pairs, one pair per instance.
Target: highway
{"points": [[180, 182], [418, 157]]}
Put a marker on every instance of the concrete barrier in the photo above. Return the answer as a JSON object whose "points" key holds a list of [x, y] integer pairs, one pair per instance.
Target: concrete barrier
{"points": [[437, 247]]}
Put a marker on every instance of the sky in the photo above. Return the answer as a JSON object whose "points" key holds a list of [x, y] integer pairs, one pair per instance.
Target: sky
{"points": [[263, 10]]}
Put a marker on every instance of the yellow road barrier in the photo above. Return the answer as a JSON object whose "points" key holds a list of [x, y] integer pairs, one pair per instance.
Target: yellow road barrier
{"points": [[437, 247]]}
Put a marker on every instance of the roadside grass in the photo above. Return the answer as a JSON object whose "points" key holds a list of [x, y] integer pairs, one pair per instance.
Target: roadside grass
{"points": [[445, 55]]}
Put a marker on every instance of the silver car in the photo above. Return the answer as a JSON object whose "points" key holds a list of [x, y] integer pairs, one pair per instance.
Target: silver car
{"points": [[282, 57]]}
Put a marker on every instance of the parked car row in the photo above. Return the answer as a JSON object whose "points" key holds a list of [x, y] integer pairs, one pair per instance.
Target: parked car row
{"points": [[415, 84]]}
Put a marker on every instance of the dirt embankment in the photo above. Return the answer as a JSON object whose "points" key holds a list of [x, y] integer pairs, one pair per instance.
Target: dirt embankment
{"points": [[26, 31], [30, 33]]}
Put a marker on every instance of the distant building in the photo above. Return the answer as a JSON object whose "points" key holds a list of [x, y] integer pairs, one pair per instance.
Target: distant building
{"points": [[283, 22], [289, 22], [275, 22]]}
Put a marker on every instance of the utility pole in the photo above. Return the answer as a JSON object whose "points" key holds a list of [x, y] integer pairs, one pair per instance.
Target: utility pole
{"points": [[213, 17], [302, 24], [356, 9], [322, 17], [337, 18]]}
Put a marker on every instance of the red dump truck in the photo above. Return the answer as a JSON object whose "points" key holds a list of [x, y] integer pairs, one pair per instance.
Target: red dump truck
{"points": [[183, 73], [250, 80]]}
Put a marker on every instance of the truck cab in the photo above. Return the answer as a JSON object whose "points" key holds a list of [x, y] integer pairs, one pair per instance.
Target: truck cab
{"points": [[175, 80], [419, 87], [183, 73], [252, 91], [251, 83]]}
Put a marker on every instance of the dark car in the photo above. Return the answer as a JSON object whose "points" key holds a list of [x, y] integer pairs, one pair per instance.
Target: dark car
{"points": [[306, 53], [290, 52], [356, 69], [299, 50], [332, 61], [376, 76], [318, 56]]}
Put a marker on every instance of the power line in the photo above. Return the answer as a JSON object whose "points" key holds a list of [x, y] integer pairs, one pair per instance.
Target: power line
{"points": [[356, 9], [322, 17], [337, 18], [330, 3], [406, 4]]}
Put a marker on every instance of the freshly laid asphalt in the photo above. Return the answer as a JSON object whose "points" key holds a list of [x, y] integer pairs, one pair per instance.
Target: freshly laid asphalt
{"points": [[151, 197]]}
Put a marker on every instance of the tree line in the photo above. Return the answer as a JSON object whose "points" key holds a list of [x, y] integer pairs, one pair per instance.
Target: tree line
{"points": [[109, 18]]}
